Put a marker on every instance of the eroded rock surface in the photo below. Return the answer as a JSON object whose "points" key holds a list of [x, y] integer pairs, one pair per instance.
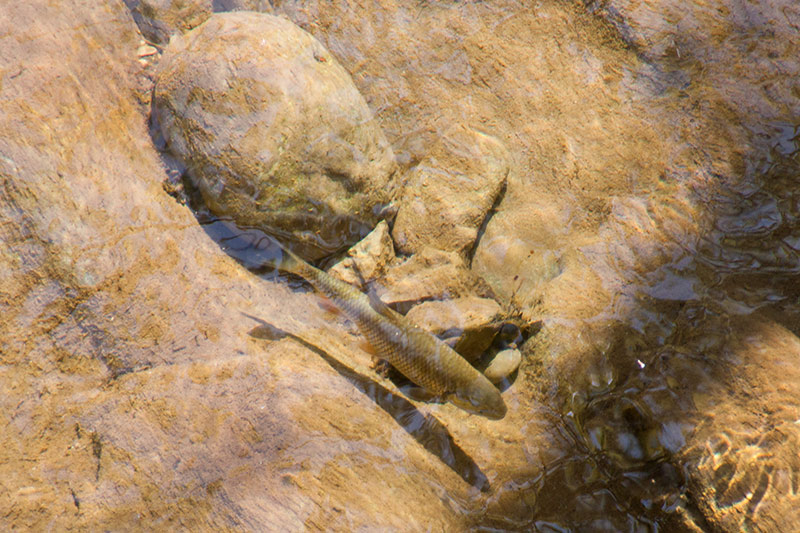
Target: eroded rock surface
{"points": [[449, 194], [273, 132], [134, 394], [743, 454], [133, 382]]}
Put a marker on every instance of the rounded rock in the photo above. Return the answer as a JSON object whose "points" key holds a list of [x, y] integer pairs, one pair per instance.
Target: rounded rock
{"points": [[503, 365], [273, 132]]}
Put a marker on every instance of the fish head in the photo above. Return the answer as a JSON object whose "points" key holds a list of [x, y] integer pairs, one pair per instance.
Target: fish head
{"points": [[480, 398]]}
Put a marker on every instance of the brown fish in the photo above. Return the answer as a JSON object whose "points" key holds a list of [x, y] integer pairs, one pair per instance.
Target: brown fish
{"points": [[416, 353]]}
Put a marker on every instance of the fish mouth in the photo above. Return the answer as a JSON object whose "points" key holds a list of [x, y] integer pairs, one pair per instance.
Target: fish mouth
{"points": [[492, 412]]}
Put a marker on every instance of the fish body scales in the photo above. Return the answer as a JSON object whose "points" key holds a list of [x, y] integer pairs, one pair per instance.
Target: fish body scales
{"points": [[416, 353]]}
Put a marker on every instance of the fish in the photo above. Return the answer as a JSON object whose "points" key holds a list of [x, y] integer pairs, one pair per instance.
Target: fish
{"points": [[415, 352]]}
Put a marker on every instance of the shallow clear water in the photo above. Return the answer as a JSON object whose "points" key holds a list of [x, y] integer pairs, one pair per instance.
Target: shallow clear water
{"points": [[649, 227], [617, 440], [621, 469], [617, 443]]}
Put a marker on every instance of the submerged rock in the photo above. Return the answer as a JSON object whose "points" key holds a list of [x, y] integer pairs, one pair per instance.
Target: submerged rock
{"points": [[428, 275], [504, 363], [273, 132], [133, 395], [468, 322], [707, 39], [368, 259], [450, 193], [743, 454], [158, 20]]}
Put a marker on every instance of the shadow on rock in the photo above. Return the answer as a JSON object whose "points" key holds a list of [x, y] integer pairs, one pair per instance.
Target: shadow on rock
{"points": [[425, 429]]}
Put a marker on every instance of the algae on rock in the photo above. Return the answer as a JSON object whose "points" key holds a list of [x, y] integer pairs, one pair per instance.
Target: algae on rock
{"points": [[273, 132]]}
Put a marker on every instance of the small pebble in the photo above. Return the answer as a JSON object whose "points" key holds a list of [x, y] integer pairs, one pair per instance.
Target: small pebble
{"points": [[145, 50], [503, 365]]}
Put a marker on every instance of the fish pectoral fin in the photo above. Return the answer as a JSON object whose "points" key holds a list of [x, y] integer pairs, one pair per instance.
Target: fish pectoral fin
{"points": [[421, 394], [330, 307], [377, 304], [367, 347]]}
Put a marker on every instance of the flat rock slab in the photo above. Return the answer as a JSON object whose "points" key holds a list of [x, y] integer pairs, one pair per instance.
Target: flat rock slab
{"points": [[461, 314], [430, 274]]}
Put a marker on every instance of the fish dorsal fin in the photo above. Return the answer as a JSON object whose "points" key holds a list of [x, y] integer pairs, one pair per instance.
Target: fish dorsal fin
{"points": [[374, 300], [377, 304]]}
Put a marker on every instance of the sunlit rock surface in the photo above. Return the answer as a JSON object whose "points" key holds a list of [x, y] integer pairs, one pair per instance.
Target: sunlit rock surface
{"points": [[134, 395], [273, 132], [744, 467], [367, 259], [746, 54], [450, 193], [649, 182]]}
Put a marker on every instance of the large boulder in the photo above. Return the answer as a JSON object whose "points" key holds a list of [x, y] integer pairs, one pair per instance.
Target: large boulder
{"points": [[273, 132]]}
